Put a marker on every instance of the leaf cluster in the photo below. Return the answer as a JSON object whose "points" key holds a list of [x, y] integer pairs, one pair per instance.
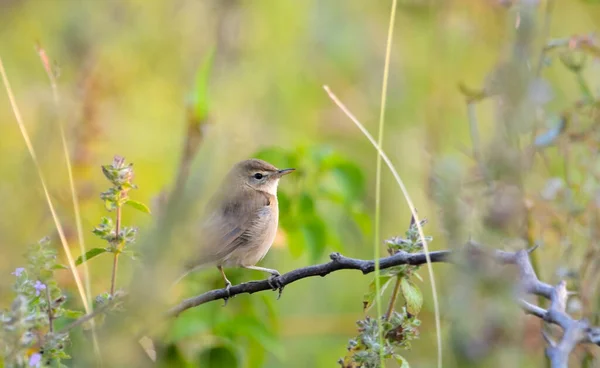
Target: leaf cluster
{"points": [[27, 336], [328, 194], [365, 350]]}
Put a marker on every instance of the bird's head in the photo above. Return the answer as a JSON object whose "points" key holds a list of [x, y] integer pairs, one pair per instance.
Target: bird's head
{"points": [[258, 174]]}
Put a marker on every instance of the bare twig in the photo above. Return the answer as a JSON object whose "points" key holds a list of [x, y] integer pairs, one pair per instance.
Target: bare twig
{"points": [[103, 308], [574, 331], [338, 262]]}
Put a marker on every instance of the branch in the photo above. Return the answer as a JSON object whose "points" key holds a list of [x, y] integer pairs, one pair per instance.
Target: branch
{"points": [[85, 318], [117, 297], [575, 331], [338, 262]]}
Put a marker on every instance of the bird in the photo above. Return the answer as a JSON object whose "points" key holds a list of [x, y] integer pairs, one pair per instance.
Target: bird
{"points": [[241, 220]]}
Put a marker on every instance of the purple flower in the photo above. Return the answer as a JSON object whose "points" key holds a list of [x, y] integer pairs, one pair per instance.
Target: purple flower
{"points": [[35, 360], [18, 271], [38, 287]]}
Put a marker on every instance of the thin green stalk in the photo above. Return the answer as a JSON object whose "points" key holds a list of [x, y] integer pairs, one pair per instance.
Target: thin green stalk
{"points": [[413, 211], [61, 128], [393, 298], [36, 163], [87, 304], [377, 240]]}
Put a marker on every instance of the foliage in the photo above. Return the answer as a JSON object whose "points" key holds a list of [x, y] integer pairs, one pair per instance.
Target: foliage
{"points": [[398, 328], [364, 351], [113, 69], [27, 333], [119, 238], [329, 193], [534, 182]]}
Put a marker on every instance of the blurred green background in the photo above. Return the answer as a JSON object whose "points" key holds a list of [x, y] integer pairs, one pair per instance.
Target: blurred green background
{"points": [[126, 78]]}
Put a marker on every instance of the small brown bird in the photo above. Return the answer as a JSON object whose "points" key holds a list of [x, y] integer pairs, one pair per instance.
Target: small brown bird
{"points": [[242, 219]]}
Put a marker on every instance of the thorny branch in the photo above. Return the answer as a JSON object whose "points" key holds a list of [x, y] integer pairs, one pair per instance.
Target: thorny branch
{"points": [[575, 331], [338, 262]]}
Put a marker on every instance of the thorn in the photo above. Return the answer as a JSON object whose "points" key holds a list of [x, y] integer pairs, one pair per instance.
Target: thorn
{"points": [[412, 219], [548, 338], [535, 246], [227, 288]]}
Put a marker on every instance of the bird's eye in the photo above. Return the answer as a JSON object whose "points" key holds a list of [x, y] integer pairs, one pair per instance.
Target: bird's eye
{"points": [[258, 176]]}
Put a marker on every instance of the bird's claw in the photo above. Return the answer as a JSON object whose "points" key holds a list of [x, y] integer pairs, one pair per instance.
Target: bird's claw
{"points": [[227, 288], [276, 284]]}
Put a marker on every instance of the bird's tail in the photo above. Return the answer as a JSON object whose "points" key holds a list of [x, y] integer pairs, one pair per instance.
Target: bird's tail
{"points": [[188, 270]]}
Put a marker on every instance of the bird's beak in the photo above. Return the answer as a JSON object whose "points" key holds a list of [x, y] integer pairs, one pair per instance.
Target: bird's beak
{"points": [[283, 172]]}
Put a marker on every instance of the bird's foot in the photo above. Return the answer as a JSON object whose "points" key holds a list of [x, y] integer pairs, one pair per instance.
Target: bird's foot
{"points": [[227, 288], [275, 283]]}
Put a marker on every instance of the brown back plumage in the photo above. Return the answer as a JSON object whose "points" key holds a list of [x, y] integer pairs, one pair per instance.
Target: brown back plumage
{"points": [[239, 212]]}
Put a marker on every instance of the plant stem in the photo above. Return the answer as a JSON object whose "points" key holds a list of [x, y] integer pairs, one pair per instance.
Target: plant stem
{"points": [[86, 318], [113, 280], [376, 245], [50, 315], [390, 309]]}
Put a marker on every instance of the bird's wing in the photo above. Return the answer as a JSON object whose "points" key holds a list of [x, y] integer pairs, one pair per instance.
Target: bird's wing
{"points": [[230, 225]]}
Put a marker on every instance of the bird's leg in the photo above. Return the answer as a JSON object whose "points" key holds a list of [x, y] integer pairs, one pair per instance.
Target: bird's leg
{"points": [[263, 269], [227, 284], [274, 280]]}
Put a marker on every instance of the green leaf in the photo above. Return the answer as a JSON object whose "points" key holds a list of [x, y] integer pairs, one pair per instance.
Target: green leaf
{"points": [[254, 329], [218, 356], [314, 233], [401, 360], [369, 297], [186, 326], [306, 205], [418, 276], [309, 234], [363, 221], [138, 206], [350, 179], [295, 242], [412, 295], [90, 254], [73, 314], [171, 356], [395, 271], [284, 202], [201, 104], [320, 154], [59, 267]]}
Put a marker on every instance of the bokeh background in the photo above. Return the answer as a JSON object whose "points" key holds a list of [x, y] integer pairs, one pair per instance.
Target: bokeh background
{"points": [[127, 76]]}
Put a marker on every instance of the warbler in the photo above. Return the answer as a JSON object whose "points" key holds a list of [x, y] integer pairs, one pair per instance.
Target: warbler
{"points": [[241, 219]]}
